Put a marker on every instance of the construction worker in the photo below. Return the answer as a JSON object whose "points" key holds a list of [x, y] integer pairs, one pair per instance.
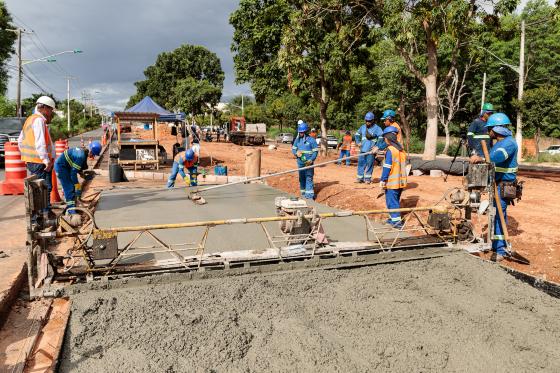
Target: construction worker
{"points": [[313, 133], [67, 166], [368, 137], [35, 144], [187, 159], [393, 177], [195, 135], [305, 149], [388, 119], [477, 131], [504, 157], [344, 147]]}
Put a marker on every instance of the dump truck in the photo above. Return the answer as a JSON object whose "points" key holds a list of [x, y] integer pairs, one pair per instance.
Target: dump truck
{"points": [[242, 133]]}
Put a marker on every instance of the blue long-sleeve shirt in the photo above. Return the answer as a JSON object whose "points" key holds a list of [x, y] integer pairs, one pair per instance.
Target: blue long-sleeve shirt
{"points": [[76, 160], [477, 132], [366, 145], [504, 156], [308, 146], [387, 164]]}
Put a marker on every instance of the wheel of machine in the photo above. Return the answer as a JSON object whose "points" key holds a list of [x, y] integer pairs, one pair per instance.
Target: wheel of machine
{"points": [[465, 231], [81, 237]]}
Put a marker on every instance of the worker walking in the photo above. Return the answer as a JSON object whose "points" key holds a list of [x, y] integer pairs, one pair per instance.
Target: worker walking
{"points": [[504, 157], [35, 144], [67, 166], [344, 147], [195, 135], [305, 149], [388, 119], [393, 177], [368, 136], [187, 159], [477, 131]]}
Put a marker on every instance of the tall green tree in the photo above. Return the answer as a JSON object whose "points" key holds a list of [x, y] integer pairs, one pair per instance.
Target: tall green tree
{"points": [[189, 69], [7, 39]]}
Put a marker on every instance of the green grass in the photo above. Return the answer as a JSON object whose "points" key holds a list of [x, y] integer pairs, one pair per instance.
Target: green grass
{"points": [[544, 158]]}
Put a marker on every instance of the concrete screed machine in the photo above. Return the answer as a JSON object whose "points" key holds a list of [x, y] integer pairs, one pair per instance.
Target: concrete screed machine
{"points": [[95, 254]]}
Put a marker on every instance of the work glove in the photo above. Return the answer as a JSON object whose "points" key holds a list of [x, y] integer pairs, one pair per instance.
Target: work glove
{"points": [[187, 179], [369, 136], [383, 185], [78, 189], [88, 175], [374, 150], [299, 153], [308, 163]]}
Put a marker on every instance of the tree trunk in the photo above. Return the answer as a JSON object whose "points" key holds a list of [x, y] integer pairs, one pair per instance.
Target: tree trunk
{"points": [[404, 123], [324, 125], [537, 139], [447, 139], [430, 145]]}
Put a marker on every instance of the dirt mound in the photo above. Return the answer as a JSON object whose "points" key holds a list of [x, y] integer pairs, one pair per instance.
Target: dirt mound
{"points": [[455, 313]]}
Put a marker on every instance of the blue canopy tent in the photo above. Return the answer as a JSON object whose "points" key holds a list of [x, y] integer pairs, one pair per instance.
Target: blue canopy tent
{"points": [[147, 105]]}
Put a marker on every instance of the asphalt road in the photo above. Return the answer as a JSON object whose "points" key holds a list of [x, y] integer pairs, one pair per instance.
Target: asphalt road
{"points": [[6, 201]]}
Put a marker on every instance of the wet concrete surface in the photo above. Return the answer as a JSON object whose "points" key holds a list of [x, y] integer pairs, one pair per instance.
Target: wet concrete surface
{"points": [[118, 208], [451, 314]]}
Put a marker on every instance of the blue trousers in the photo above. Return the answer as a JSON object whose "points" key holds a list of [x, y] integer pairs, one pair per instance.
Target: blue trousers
{"points": [[63, 171], [393, 201], [498, 242], [306, 181], [179, 169], [39, 170], [343, 154], [365, 167]]}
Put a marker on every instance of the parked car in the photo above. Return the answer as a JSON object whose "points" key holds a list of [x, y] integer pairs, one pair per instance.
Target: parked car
{"points": [[285, 138], [552, 149], [332, 141], [9, 131]]}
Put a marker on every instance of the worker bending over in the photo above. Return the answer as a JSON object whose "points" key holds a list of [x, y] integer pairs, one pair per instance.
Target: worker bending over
{"points": [[504, 157], [477, 131], [344, 146], [35, 144], [367, 138], [187, 159], [393, 177], [67, 166], [305, 149], [388, 119]]}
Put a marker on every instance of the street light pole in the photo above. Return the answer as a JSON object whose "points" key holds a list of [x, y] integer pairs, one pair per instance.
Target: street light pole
{"points": [[20, 77], [521, 71]]}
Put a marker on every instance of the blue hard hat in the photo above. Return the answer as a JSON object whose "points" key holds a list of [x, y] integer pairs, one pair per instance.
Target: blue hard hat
{"points": [[389, 114], [189, 155], [369, 116], [498, 119], [303, 127], [390, 129], [95, 148], [501, 130]]}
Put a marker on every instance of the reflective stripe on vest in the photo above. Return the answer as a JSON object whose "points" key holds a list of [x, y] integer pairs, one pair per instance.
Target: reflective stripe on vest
{"points": [[397, 176], [506, 170], [27, 147]]}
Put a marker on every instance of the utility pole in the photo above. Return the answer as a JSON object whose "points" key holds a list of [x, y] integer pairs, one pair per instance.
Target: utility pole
{"points": [[68, 99], [20, 77], [242, 107], [521, 71], [483, 90]]}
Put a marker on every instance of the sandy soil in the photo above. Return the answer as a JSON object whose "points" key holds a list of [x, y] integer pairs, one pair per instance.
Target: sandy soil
{"points": [[455, 313], [532, 222]]}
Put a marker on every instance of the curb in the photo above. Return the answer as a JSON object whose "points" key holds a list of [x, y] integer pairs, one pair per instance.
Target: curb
{"points": [[9, 297]]}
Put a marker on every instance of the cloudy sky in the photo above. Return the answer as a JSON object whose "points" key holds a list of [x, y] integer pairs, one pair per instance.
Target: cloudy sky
{"points": [[120, 38]]}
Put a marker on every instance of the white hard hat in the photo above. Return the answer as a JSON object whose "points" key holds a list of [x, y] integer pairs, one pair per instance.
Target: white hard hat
{"points": [[46, 100], [299, 122]]}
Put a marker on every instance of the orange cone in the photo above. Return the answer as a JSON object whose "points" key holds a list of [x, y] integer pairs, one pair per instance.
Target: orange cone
{"points": [[55, 197]]}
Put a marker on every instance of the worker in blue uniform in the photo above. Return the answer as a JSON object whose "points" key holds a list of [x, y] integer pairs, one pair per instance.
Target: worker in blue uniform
{"points": [[504, 157], [368, 137], [305, 149], [186, 159], [477, 131], [393, 177], [67, 166]]}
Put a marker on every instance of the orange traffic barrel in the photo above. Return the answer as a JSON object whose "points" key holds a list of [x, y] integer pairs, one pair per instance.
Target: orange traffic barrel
{"points": [[60, 146], [15, 170]]}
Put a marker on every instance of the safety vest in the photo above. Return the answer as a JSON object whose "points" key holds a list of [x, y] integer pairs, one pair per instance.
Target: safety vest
{"points": [[397, 176], [346, 142], [27, 148], [180, 158], [399, 134]]}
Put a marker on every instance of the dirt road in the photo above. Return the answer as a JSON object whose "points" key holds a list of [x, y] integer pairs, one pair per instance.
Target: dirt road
{"points": [[455, 313], [532, 222]]}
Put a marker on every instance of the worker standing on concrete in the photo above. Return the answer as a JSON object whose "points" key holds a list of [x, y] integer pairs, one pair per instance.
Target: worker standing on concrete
{"points": [[344, 147], [393, 177], [368, 137], [67, 166], [187, 159], [35, 144], [504, 157], [477, 131], [305, 149], [388, 119]]}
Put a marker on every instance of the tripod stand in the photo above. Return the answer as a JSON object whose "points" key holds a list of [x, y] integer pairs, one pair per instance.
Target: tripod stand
{"points": [[462, 146]]}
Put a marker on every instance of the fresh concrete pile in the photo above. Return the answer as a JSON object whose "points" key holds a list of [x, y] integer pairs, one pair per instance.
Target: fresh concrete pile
{"points": [[455, 313]]}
